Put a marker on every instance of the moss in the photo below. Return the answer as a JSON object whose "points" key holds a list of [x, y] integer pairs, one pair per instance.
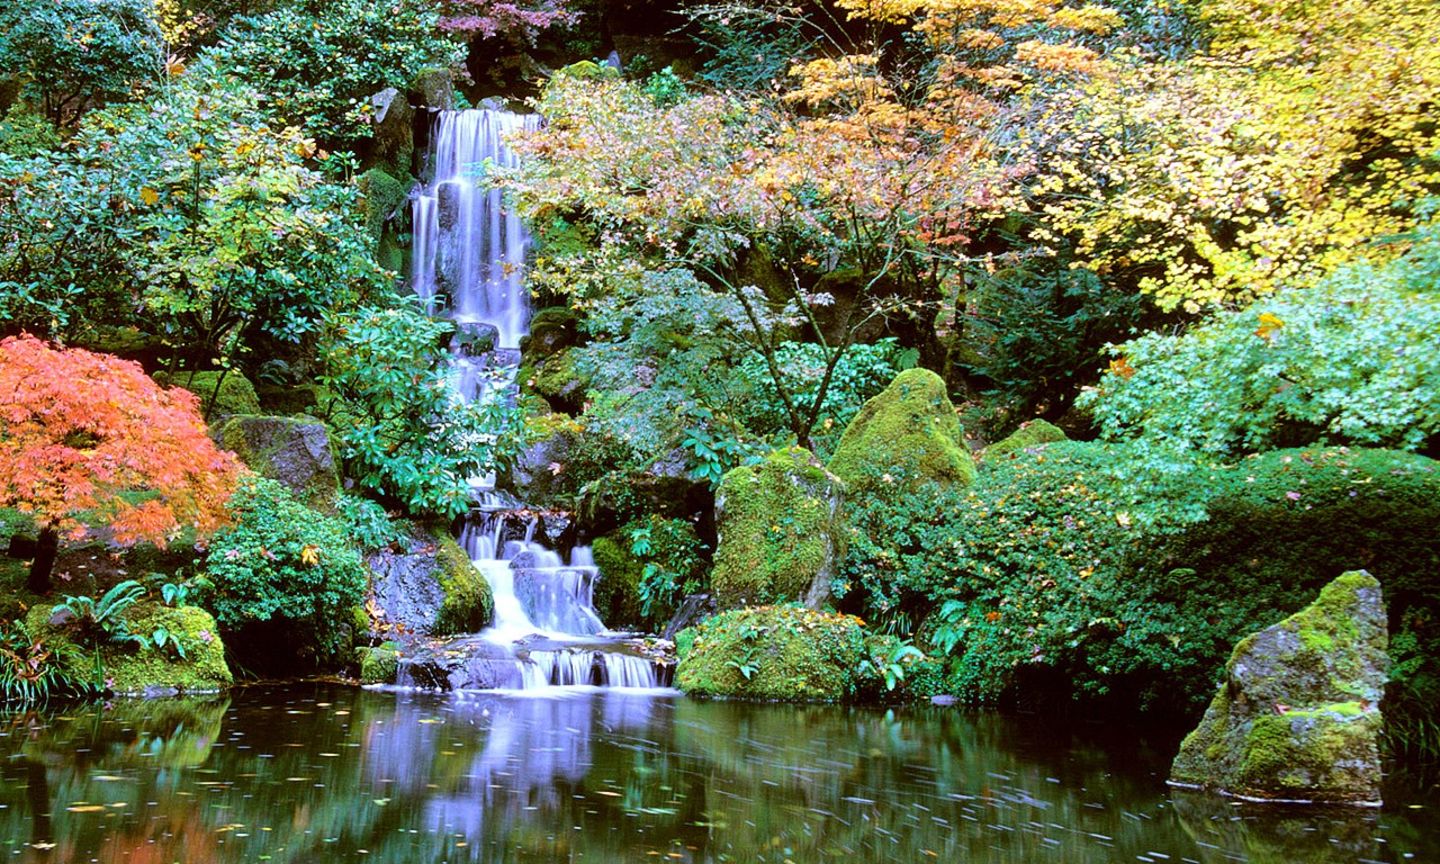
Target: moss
{"points": [[617, 591], [295, 451], [784, 653], [1031, 434], [469, 603], [558, 378], [236, 394], [780, 526], [587, 69], [909, 432], [380, 664], [131, 669], [383, 195]]}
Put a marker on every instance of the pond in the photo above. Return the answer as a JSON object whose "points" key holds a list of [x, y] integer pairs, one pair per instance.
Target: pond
{"points": [[326, 773]]}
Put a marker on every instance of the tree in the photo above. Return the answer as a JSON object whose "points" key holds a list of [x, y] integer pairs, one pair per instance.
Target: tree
{"points": [[71, 55], [89, 438]]}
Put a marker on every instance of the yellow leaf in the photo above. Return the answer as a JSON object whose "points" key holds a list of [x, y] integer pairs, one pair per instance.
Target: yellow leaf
{"points": [[310, 555], [149, 196]]}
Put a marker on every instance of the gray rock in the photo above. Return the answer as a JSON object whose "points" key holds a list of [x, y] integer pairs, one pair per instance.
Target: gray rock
{"points": [[434, 90], [293, 451], [394, 123], [473, 338], [1298, 716]]}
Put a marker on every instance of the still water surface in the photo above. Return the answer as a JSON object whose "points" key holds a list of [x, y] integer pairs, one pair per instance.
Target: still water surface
{"points": [[320, 773]]}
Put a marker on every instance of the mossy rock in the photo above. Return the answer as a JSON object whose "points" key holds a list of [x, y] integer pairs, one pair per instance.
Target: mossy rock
{"points": [[587, 69], [617, 590], [1031, 434], [294, 451], [781, 529], [552, 329], [469, 603], [784, 653], [380, 664], [907, 434], [559, 379], [236, 394], [291, 400], [382, 195], [1298, 716], [133, 670]]}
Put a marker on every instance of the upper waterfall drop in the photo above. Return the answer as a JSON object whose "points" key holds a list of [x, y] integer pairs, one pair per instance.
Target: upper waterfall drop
{"points": [[468, 248]]}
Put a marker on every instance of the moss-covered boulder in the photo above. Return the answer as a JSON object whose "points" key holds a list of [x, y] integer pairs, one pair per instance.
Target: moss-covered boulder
{"points": [[786, 653], [379, 664], [382, 194], [1031, 434], [552, 329], [781, 532], [293, 451], [431, 587], [909, 433], [1298, 716], [617, 589], [133, 670], [221, 394]]}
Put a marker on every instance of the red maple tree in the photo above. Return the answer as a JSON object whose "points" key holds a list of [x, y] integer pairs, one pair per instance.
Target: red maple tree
{"points": [[86, 435]]}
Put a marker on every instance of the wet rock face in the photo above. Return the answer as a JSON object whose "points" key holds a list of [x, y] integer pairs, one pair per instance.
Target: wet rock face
{"points": [[1298, 716], [430, 587], [294, 451]]}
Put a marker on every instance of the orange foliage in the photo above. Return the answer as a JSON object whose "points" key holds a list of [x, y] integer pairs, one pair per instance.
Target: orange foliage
{"points": [[78, 429]]}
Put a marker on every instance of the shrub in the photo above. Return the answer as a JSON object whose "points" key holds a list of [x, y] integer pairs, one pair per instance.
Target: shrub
{"points": [[647, 568], [283, 562], [34, 669]]}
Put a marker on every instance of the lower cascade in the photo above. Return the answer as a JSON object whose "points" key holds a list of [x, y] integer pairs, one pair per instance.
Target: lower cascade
{"points": [[545, 632]]}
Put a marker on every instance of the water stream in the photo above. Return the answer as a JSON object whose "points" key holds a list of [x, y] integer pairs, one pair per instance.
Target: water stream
{"points": [[469, 261]]}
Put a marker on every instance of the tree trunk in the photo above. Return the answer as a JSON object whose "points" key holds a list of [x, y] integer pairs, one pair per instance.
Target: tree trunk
{"points": [[45, 549]]}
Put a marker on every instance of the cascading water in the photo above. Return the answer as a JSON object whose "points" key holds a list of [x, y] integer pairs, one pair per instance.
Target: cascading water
{"points": [[468, 263]]}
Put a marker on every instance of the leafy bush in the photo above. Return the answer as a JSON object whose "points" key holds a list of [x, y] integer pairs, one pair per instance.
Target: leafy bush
{"points": [[673, 567], [1351, 360], [321, 60], [369, 523], [71, 55], [405, 431], [282, 562], [93, 619], [1039, 578], [31, 670]]}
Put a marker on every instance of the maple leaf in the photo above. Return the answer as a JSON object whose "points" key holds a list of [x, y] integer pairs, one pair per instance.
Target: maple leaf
{"points": [[1269, 325]]}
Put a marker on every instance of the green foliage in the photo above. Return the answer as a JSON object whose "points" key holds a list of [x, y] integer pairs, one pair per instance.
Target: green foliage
{"points": [[1040, 576], [321, 60], [749, 47], [368, 522], [33, 669], [673, 566], [786, 653], [24, 133], [1351, 360], [71, 55], [665, 88], [92, 619], [281, 561], [175, 593], [862, 372], [1034, 333], [404, 431]]}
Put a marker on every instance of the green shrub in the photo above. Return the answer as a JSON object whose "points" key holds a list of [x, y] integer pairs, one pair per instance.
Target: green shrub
{"points": [[370, 525], [35, 669], [282, 562], [322, 59], [1040, 577], [647, 568], [787, 653], [1351, 360]]}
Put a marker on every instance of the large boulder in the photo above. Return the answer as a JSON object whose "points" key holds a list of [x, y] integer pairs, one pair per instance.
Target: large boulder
{"points": [[781, 531], [907, 434], [785, 653], [429, 588], [394, 125], [1298, 715], [293, 451]]}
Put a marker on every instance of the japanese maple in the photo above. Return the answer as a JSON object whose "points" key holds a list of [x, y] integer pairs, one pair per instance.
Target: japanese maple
{"points": [[90, 435]]}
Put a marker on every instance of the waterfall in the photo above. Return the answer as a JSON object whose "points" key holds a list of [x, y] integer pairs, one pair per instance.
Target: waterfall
{"points": [[469, 250], [468, 264]]}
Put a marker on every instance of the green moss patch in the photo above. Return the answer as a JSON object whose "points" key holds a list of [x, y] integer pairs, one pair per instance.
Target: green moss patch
{"points": [[469, 603], [785, 653], [908, 434], [1032, 434], [235, 393]]}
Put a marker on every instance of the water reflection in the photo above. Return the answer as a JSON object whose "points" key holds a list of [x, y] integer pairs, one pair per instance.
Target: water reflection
{"points": [[344, 775]]}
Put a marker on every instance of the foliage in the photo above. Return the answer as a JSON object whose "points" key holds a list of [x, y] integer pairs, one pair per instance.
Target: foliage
{"points": [[73, 55], [280, 561], [321, 60], [24, 133], [32, 670], [368, 522], [1348, 361], [1040, 578], [79, 432], [105, 617], [516, 21], [673, 566], [405, 432]]}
